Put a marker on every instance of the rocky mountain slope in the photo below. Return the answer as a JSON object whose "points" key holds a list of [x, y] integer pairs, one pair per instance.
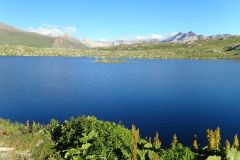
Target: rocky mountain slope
{"points": [[189, 37], [183, 37]]}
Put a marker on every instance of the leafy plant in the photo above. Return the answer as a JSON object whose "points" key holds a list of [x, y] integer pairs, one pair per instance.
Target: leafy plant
{"points": [[81, 151], [214, 158], [87, 136], [177, 152], [233, 154]]}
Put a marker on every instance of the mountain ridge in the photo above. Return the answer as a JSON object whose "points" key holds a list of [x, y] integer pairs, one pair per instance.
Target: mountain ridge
{"points": [[10, 35], [180, 37], [183, 37]]}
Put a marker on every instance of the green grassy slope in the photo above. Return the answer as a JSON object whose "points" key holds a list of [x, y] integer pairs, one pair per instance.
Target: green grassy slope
{"points": [[211, 48], [24, 38], [12, 36]]}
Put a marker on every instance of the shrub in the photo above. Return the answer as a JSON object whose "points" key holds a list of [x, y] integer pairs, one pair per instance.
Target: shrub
{"points": [[87, 137], [177, 152]]}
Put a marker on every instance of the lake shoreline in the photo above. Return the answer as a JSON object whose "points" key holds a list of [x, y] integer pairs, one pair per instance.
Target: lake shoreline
{"points": [[133, 58], [151, 51]]}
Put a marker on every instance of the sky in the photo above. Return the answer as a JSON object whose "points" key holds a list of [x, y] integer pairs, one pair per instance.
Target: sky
{"points": [[122, 19]]}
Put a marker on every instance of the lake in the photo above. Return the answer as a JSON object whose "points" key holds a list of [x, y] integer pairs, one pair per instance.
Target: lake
{"points": [[168, 96]]}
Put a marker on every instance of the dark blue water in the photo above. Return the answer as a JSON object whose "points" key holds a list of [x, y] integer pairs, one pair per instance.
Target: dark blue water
{"points": [[168, 96]]}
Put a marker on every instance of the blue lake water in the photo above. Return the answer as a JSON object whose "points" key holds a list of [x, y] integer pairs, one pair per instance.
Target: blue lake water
{"points": [[168, 96]]}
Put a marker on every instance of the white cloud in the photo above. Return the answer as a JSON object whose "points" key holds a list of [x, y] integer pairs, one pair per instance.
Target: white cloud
{"points": [[153, 36], [103, 40], [156, 36], [53, 30]]}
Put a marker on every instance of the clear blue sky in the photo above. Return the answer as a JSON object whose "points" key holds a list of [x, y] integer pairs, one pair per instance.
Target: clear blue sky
{"points": [[113, 19]]}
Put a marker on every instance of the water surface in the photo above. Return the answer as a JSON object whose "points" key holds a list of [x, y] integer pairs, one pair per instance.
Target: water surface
{"points": [[168, 96]]}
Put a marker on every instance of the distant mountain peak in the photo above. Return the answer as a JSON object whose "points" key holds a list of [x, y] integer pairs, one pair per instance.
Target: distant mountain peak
{"points": [[183, 37], [191, 34]]}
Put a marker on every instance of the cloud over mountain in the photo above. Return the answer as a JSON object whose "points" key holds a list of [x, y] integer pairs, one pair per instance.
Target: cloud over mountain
{"points": [[158, 37], [53, 30]]}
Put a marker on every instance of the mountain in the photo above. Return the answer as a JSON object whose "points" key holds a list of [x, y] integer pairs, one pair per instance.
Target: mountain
{"points": [[219, 36], [126, 42], [8, 28], [93, 44], [10, 35], [178, 38], [183, 37]]}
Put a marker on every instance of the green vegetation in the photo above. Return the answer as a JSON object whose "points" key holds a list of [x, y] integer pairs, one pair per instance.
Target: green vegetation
{"points": [[6, 50], [88, 138], [202, 49], [24, 38], [111, 61], [27, 140]]}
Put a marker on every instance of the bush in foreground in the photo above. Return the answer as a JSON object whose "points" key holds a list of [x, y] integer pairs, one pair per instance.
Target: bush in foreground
{"points": [[88, 138]]}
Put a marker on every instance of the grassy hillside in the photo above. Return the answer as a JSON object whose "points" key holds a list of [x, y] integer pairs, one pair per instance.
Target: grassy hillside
{"points": [[19, 50], [24, 38], [12, 36], [211, 48]]}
